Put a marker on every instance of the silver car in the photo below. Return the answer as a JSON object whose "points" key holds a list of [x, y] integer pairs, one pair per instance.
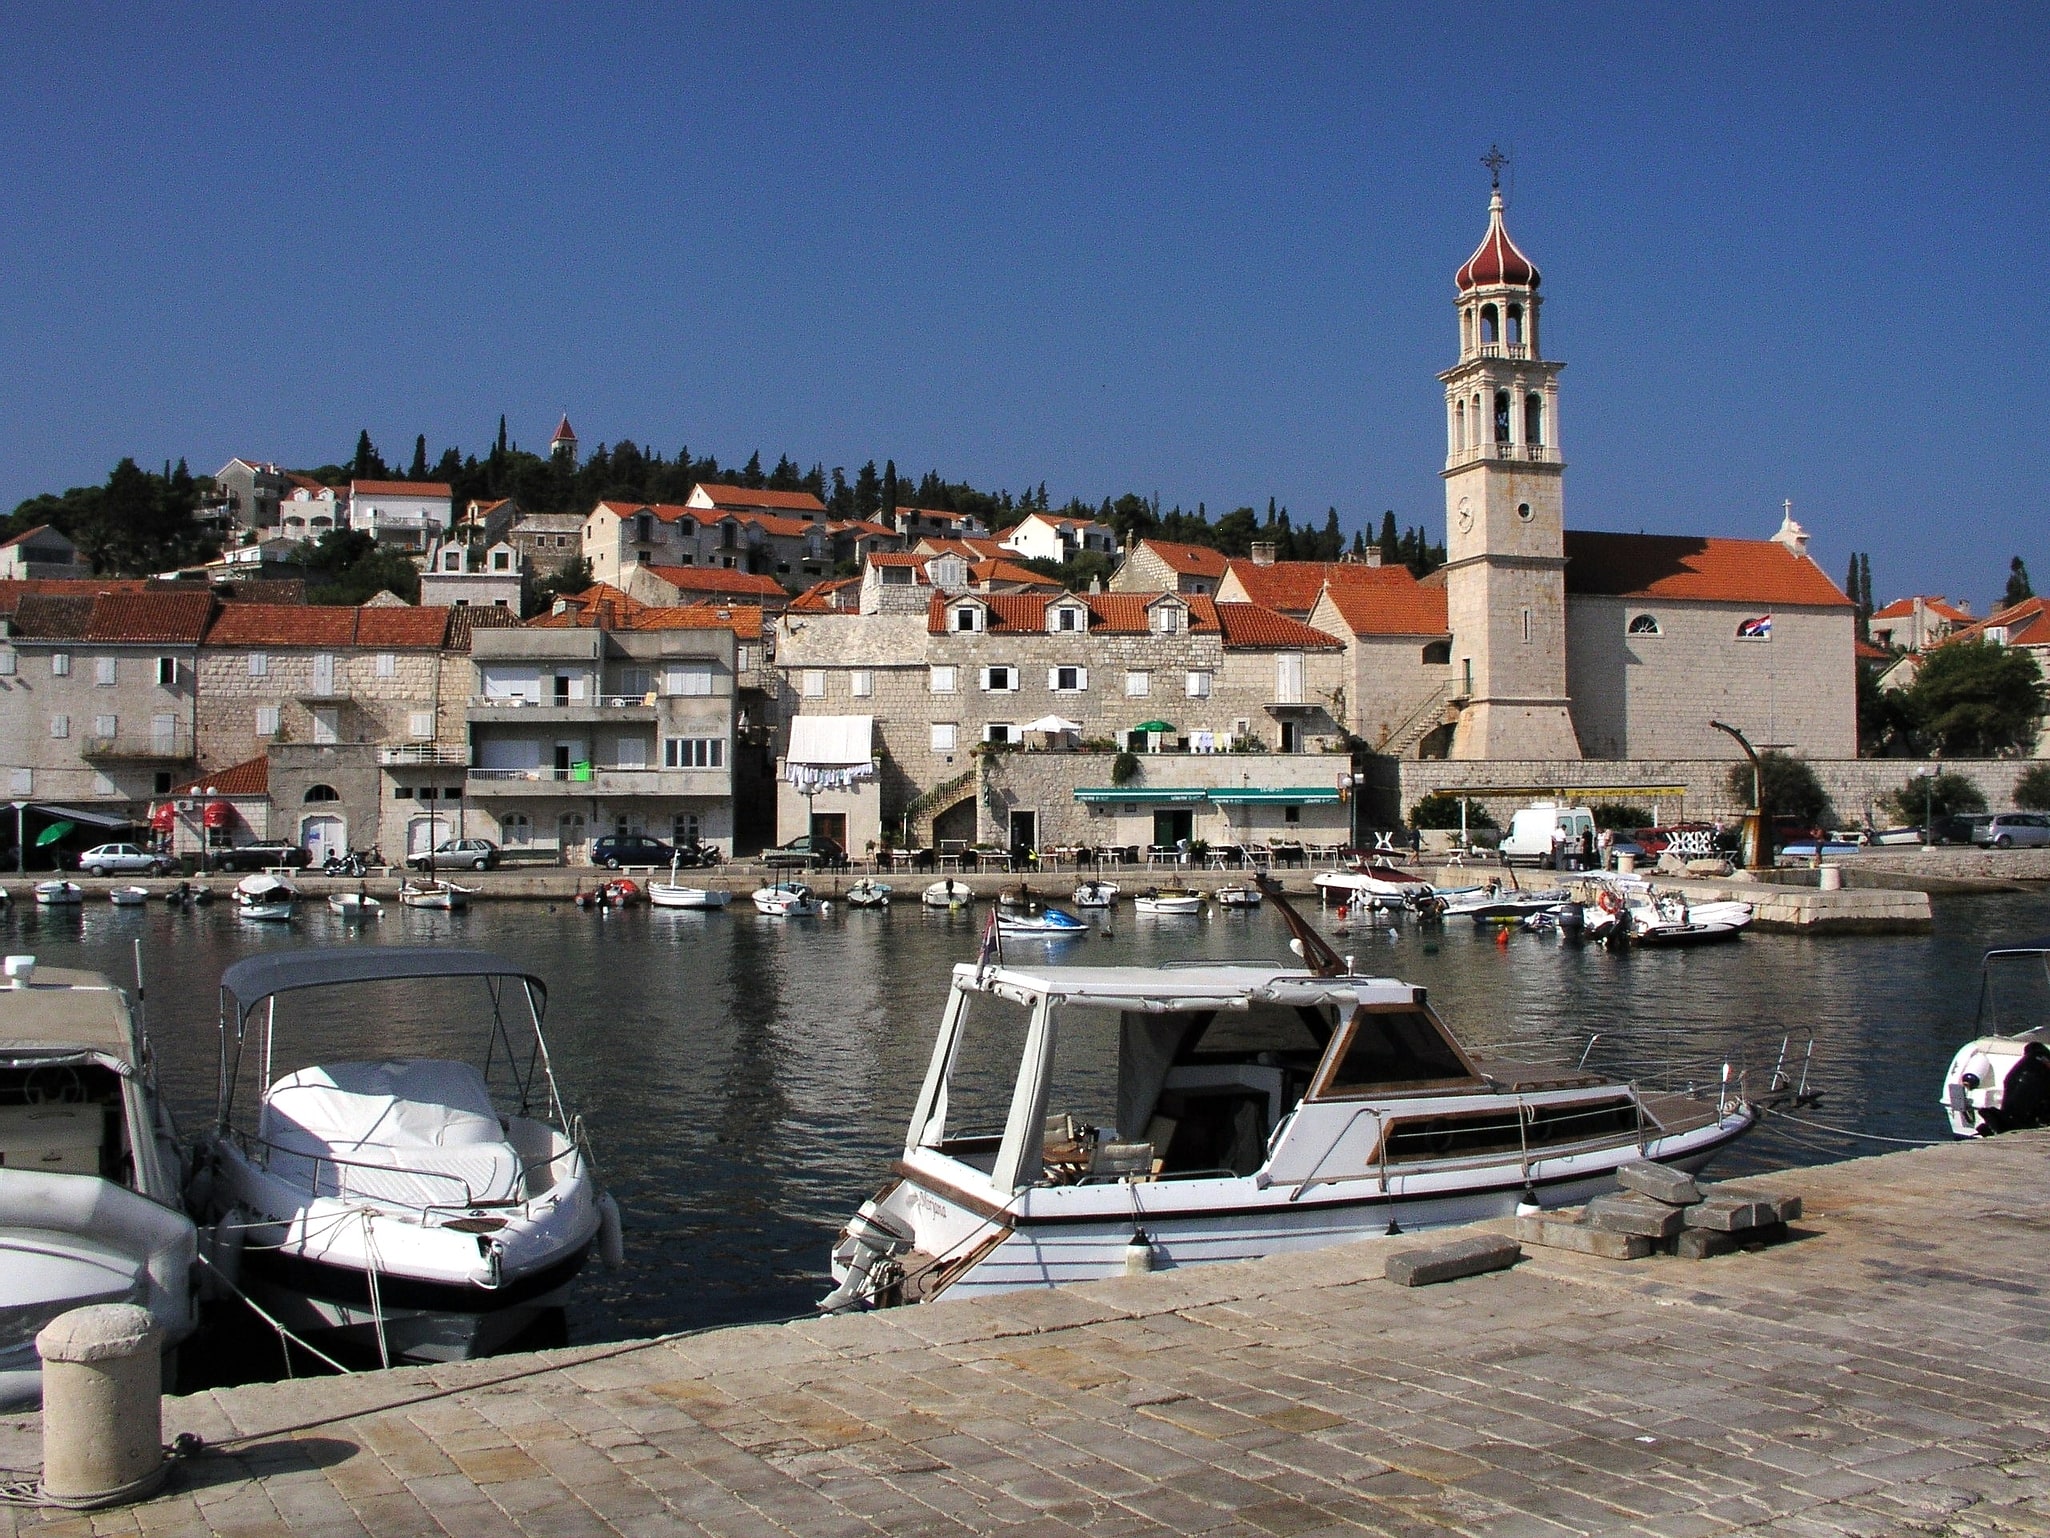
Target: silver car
{"points": [[121, 860], [2014, 830]]}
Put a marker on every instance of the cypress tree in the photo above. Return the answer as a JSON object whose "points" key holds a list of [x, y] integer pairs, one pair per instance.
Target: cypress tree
{"points": [[418, 469], [890, 489], [1391, 541], [501, 435], [1865, 583], [2018, 589], [1851, 581]]}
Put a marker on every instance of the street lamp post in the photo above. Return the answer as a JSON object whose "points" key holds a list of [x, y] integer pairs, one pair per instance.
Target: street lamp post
{"points": [[20, 837], [1754, 820], [1927, 776]]}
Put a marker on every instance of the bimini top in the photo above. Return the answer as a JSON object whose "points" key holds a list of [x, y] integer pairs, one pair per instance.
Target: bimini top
{"points": [[1166, 989], [66, 1010], [249, 982]]}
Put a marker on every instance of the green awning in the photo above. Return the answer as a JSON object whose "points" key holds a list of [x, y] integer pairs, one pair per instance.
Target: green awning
{"points": [[1097, 794], [1305, 795]]}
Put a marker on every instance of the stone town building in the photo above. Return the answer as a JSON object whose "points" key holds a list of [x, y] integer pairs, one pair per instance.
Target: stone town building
{"points": [[1287, 587], [1398, 654], [338, 699], [248, 491], [793, 545], [409, 514], [41, 552], [979, 670], [98, 696], [669, 586], [456, 575], [2025, 625], [547, 542], [1160, 565], [1912, 624], [484, 522], [219, 809], [309, 509], [610, 716], [915, 523]]}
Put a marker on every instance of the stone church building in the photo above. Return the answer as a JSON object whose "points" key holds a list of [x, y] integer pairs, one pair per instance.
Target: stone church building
{"points": [[1570, 645]]}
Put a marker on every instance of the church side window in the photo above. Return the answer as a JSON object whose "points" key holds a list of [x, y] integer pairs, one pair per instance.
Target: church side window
{"points": [[1491, 326], [1516, 325], [1644, 624], [1459, 425]]}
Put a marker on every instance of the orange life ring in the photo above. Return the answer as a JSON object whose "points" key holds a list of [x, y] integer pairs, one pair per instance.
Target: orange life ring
{"points": [[1609, 902]]}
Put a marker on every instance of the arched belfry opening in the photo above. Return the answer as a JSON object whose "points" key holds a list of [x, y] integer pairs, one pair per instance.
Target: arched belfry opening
{"points": [[1491, 326], [1501, 416], [1533, 418]]}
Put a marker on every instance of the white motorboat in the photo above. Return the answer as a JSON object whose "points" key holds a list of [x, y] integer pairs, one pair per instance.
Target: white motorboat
{"points": [[869, 894], [948, 893], [436, 894], [2000, 1080], [1494, 905], [89, 1188], [128, 896], [354, 907], [1383, 881], [1238, 897], [1047, 922], [266, 897], [787, 900], [59, 894], [675, 894], [1168, 899], [1096, 894], [1668, 919], [425, 1209], [1253, 1110]]}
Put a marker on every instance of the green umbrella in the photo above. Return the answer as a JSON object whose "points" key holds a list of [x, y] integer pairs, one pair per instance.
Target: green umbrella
{"points": [[55, 831], [1153, 726]]}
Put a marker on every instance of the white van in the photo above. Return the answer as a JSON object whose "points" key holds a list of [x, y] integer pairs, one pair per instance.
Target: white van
{"points": [[1529, 839]]}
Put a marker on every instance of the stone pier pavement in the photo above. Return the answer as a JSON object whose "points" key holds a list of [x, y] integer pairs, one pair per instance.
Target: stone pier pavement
{"points": [[1887, 1372]]}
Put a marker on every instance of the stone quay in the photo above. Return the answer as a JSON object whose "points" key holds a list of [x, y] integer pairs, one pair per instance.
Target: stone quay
{"points": [[1886, 1371]]}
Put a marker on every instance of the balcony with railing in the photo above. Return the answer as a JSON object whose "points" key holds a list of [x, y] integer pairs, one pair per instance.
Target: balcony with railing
{"points": [[485, 709], [1526, 453], [599, 781], [412, 755], [1504, 350], [163, 747]]}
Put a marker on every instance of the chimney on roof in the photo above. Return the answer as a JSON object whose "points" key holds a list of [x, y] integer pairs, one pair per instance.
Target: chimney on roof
{"points": [[1373, 555], [1791, 534], [1263, 553]]}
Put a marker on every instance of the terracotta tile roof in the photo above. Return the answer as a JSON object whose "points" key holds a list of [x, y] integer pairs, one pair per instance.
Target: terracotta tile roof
{"points": [[820, 597], [932, 514], [400, 489], [52, 616], [1190, 560], [293, 624], [904, 558], [306, 482], [1865, 651], [159, 617], [249, 778], [769, 523], [1903, 608], [564, 433], [736, 497], [970, 547], [1387, 600], [424, 627], [1751, 571], [14, 589], [985, 572], [1290, 586], [666, 512], [1247, 624], [716, 579], [465, 618], [1109, 613], [601, 603], [2026, 623]]}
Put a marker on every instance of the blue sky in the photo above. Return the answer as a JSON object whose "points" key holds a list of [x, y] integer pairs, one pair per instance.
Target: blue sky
{"points": [[1199, 251]]}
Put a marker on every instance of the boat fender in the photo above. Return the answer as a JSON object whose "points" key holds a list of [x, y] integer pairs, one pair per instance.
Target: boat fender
{"points": [[611, 1233], [1139, 1254], [220, 1246]]}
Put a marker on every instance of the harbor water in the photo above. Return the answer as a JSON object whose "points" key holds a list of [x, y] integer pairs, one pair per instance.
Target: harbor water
{"points": [[746, 1080]]}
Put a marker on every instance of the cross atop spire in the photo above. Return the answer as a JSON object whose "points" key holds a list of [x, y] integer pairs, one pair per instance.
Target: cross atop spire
{"points": [[1494, 160]]}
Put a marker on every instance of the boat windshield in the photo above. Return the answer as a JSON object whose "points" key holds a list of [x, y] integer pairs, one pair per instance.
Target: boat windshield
{"points": [[1394, 1047], [2014, 989]]}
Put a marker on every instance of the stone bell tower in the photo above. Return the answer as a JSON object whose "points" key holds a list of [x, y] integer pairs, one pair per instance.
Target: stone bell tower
{"points": [[1505, 542]]}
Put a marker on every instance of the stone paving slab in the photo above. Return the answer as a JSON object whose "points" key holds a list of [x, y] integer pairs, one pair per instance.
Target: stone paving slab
{"points": [[1887, 1372]]}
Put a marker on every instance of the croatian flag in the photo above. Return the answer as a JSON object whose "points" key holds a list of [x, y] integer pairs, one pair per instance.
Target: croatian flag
{"points": [[1759, 629]]}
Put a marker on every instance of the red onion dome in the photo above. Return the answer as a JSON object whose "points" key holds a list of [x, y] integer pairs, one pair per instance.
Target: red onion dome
{"points": [[1497, 260]]}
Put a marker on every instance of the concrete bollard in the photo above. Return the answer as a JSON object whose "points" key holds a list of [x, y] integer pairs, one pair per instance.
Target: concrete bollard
{"points": [[1831, 879], [103, 1427], [1626, 864]]}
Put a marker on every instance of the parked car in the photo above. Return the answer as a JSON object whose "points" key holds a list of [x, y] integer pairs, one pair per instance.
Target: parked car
{"points": [[257, 856], [456, 853], [617, 849], [2009, 830], [1958, 827], [122, 860], [808, 851]]}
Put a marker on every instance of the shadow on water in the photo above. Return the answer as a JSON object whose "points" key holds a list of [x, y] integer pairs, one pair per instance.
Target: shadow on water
{"points": [[746, 1080]]}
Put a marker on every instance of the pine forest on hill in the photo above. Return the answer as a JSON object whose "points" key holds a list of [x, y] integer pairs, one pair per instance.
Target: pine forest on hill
{"points": [[140, 522]]}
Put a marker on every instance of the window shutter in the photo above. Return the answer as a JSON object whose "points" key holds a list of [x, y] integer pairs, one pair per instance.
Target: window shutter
{"points": [[1082, 678], [1053, 678], [985, 680]]}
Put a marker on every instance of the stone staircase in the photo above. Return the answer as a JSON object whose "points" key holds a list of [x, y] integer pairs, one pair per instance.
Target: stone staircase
{"points": [[1418, 724]]}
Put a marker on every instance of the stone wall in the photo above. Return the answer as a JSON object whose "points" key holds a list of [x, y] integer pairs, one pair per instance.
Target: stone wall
{"points": [[87, 765], [1652, 696], [1856, 786]]}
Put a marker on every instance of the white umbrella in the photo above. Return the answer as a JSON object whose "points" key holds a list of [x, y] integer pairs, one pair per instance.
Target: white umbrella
{"points": [[1052, 724]]}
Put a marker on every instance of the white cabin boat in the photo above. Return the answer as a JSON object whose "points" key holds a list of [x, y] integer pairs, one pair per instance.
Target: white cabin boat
{"points": [[89, 1187], [266, 898], [1384, 881], [1169, 900], [786, 900], [1254, 1110], [416, 1208]]}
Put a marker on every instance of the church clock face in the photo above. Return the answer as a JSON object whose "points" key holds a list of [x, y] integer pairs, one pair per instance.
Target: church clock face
{"points": [[1465, 516]]}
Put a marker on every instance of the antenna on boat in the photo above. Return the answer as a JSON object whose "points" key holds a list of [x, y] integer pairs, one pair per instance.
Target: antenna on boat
{"points": [[1305, 941]]}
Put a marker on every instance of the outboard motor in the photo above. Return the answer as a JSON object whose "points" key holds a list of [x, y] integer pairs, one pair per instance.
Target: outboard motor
{"points": [[877, 1239]]}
